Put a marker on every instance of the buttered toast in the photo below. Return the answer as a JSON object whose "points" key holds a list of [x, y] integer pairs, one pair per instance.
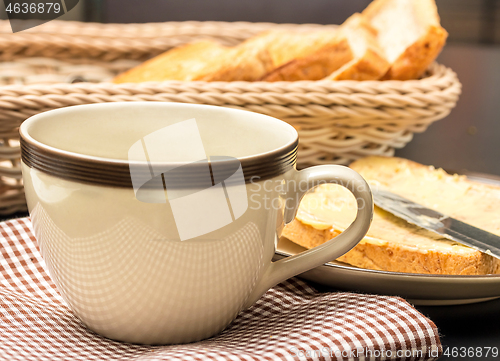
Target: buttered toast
{"points": [[391, 243]]}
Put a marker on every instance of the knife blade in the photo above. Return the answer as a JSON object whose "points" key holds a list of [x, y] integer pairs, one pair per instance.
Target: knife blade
{"points": [[437, 222]]}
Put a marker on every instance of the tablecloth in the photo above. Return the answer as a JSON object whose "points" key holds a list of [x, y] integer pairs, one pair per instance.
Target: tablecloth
{"points": [[292, 321]]}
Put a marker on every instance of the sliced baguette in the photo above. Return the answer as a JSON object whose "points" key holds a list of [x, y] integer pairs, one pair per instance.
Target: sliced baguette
{"points": [[204, 61], [350, 53], [303, 55], [391, 39], [410, 34], [369, 61], [392, 244]]}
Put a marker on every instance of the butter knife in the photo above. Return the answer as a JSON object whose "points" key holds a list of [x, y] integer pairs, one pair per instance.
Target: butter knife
{"points": [[437, 222]]}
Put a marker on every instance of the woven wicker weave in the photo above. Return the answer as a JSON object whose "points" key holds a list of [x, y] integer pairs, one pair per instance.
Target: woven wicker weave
{"points": [[337, 121]]}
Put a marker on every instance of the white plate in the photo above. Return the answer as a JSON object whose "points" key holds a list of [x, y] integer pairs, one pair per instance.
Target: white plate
{"points": [[420, 289]]}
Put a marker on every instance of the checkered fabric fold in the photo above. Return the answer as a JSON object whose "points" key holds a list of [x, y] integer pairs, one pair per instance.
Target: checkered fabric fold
{"points": [[292, 321]]}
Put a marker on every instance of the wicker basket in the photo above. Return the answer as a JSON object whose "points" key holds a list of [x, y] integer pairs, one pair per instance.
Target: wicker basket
{"points": [[337, 121]]}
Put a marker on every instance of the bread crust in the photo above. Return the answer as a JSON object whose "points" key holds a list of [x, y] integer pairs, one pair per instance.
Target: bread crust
{"points": [[316, 65], [395, 257], [417, 58], [369, 61], [241, 65], [370, 67], [201, 61]]}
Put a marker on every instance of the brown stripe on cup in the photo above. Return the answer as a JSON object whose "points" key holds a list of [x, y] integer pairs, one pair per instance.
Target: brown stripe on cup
{"points": [[117, 173]]}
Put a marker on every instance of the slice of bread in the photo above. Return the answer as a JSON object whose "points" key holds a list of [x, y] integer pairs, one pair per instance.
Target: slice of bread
{"points": [[349, 53], [369, 61], [303, 55], [410, 34], [391, 243], [203, 60]]}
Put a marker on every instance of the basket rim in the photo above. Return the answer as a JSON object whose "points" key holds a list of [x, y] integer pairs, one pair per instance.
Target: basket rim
{"points": [[140, 30], [435, 71], [439, 77]]}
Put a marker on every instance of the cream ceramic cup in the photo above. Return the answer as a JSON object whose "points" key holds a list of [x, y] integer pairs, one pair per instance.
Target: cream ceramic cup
{"points": [[119, 259]]}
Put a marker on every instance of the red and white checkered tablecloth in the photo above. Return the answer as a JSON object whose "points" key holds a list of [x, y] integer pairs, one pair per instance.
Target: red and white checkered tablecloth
{"points": [[292, 321]]}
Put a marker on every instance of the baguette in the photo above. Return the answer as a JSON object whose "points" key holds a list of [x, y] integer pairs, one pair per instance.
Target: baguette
{"points": [[392, 244], [410, 34], [369, 62], [391, 39], [301, 55], [204, 61], [349, 53]]}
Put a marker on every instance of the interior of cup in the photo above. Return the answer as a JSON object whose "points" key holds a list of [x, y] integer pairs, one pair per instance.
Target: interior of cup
{"points": [[109, 130]]}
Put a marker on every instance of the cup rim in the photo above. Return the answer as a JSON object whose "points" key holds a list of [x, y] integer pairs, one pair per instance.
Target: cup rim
{"points": [[116, 172]]}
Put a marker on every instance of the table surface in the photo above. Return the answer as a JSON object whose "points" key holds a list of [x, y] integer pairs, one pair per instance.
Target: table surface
{"points": [[470, 326], [474, 325]]}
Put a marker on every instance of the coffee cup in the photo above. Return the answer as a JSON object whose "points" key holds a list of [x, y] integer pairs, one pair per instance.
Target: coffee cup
{"points": [[158, 222]]}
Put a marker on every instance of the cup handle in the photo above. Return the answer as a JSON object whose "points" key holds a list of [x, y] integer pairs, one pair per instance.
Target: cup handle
{"points": [[291, 266]]}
